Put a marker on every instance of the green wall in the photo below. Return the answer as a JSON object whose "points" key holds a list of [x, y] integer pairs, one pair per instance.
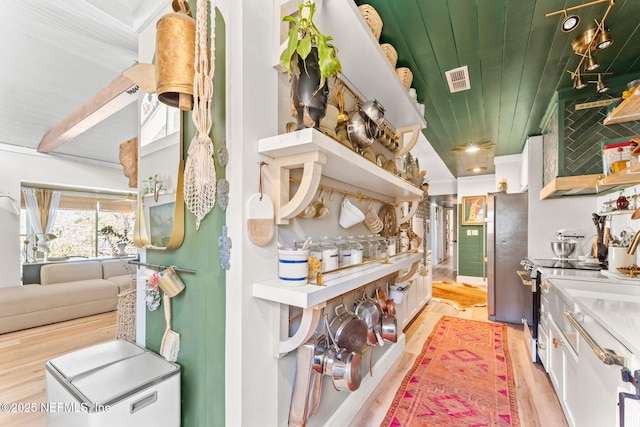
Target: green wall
{"points": [[470, 249], [199, 311]]}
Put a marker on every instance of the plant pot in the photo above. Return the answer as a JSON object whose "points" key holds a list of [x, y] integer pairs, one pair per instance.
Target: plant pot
{"points": [[308, 99]]}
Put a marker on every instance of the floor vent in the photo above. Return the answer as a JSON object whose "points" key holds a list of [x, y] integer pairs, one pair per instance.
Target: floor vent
{"points": [[458, 79]]}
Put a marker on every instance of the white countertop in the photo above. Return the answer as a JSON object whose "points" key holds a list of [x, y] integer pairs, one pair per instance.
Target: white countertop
{"points": [[614, 302]]}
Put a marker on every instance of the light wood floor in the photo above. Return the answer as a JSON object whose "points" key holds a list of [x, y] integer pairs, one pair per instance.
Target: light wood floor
{"points": [[23, 355], [538, 405]]}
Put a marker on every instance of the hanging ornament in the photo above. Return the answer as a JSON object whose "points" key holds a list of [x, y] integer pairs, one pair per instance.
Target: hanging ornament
{"points": [[200, 173], [224, 244], [223, 194]]}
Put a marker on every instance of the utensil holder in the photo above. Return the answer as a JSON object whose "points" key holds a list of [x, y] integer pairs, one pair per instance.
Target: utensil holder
{"points": [[293, 267], [170, 282]]}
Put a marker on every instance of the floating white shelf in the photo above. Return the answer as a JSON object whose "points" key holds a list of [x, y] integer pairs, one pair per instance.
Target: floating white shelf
{"points": [[364, 62], [336, 284], [342, 164]]}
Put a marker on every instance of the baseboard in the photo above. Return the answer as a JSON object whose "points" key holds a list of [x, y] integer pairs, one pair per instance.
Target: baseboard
{"points": [[345, 413], [472, 280]]}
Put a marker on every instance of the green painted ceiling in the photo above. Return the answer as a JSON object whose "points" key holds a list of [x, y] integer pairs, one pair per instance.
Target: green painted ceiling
{"points": [[517, 60]]}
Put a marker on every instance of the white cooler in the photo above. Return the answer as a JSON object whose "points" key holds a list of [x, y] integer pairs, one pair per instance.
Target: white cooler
{"points": [[112, 384]]}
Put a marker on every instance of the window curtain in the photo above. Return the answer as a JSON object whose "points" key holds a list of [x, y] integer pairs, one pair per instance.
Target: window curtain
{"points": [[42, 208]]}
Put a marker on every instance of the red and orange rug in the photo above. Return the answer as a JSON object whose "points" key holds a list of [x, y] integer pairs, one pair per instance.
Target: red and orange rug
{"points": [[462, 377]]}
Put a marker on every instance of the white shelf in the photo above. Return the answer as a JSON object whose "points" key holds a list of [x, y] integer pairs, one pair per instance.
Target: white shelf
{"points": [[342, 164], [617, 212], [364, 62], [336, 284]]}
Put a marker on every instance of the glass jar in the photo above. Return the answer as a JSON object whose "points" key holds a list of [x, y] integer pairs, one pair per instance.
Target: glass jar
{"points": [[366, 247], [357, 250], [330, 254], [404, 241], [344, 251], [392, 245], [378, 246]]}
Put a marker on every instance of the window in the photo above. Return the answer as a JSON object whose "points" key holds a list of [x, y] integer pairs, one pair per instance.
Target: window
{"points": [[76, 230]]}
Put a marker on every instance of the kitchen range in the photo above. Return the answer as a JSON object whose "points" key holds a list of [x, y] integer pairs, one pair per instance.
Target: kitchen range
{"points": [[586, 334]]}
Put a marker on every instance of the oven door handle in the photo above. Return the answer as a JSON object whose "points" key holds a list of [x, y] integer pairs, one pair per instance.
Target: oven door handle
{"points": [[524, 276], [606, 356]]}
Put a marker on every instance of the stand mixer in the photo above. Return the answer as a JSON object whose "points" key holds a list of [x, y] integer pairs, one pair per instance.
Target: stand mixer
{"points": [[568, 243]]}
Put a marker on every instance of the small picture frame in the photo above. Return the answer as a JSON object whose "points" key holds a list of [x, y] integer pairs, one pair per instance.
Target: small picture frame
{"points": [[473, 210]]}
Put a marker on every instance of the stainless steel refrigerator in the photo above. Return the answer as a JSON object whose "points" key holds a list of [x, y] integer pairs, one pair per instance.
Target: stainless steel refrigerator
{"points": [[508, 300]]}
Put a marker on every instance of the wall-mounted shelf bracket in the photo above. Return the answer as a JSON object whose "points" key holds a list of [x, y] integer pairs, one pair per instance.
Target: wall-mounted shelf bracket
{"points": [[287, 207], [415, 203], [410, 132], [309, 322]]}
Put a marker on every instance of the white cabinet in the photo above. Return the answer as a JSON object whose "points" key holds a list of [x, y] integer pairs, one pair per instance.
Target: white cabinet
{"points": [[416, 296], [563, 371]]}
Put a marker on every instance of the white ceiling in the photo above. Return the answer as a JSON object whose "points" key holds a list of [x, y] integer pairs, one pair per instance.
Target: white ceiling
{"points": [[57, 55]]}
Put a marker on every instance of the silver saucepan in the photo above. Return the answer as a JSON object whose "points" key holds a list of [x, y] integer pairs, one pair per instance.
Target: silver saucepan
{"points": [[347, 330]]}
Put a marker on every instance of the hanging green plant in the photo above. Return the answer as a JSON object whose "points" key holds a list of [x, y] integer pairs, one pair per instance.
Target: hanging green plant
{"points": [[303, 36]]}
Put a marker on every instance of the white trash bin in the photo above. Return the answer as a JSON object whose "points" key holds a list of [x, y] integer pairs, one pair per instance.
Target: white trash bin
{"points": [[112, 384]]}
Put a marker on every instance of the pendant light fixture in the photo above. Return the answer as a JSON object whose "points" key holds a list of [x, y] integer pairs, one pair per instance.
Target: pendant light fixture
{"points": [[570, 22], [603, 39], [592, 63], [601, 85], [587, 42]]}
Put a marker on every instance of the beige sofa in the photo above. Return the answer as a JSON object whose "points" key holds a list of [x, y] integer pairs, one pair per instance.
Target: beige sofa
{"points": [[67, 291]]}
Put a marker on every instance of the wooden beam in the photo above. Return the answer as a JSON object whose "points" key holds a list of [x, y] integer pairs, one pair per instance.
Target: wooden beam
{"points": [[111, 99]]}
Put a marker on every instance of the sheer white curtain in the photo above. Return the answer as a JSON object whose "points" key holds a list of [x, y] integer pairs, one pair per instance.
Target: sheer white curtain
{"points": [[42, 208]]}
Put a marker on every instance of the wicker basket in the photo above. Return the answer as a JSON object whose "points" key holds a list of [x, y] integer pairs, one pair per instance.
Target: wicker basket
{"points": [[391, 53], [126, 315], [406, 76], [372, 19]]}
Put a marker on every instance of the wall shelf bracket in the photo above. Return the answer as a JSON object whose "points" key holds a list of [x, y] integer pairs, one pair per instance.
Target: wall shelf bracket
{"points": [[415, 204], [287, 206], [309, 322]]}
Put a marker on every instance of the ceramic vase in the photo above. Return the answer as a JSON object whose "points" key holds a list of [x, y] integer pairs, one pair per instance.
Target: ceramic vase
{"points": [[308, 100]]}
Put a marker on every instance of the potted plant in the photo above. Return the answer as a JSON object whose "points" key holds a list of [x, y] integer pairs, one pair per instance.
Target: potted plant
{"points": [[118, 241], [310, 59]]}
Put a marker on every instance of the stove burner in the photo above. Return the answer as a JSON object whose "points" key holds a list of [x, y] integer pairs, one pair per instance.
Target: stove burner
{"points": [[566, 263]]}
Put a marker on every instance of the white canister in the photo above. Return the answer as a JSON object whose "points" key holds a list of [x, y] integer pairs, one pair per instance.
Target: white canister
{"points": [[618, 257], [293, 267]]}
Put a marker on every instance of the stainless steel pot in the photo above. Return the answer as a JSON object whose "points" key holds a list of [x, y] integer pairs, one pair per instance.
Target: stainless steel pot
{"points": [[373, 110], [358, 129], [347, 330], [344, 369], [389, 328], [370, 312]]}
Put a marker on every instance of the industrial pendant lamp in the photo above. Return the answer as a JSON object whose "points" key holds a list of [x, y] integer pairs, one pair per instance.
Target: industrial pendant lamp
{"points": [[603, 39], [570, 22], [592, 63], [579, 82], [601, 85]]}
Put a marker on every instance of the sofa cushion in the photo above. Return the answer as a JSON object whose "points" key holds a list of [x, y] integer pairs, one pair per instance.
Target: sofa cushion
{"points": [[116, 267], [123, 282], [34, 298], [70, 272]]}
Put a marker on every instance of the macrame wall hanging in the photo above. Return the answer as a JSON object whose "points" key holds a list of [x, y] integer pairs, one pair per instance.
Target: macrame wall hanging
{"points": [[200, 173]]}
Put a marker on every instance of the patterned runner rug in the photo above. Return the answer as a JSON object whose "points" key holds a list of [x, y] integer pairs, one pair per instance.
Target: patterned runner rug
{"points": [[462, 377]]}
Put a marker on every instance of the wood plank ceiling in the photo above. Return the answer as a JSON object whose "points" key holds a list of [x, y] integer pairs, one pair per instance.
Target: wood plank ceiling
{"points": [[517, 60]]}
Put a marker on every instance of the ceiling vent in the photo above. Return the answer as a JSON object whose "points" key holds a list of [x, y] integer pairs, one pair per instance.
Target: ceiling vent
{"points": [[458, 79]]}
